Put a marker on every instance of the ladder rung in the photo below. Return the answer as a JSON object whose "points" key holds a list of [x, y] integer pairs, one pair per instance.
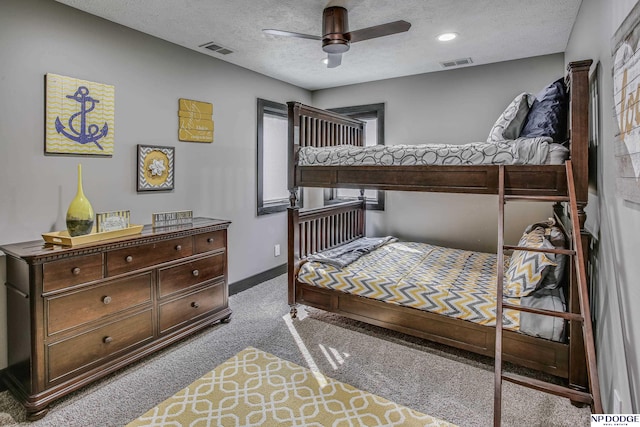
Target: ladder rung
{"points": [[558, 390], [537, 198], [562, 314], [545, 250]]}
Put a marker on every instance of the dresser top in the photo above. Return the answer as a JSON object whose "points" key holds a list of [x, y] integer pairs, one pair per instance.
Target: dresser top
{"points": [[39, 250]]}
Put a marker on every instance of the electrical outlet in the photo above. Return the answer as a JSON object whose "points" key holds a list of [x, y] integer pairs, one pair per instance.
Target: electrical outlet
{"points": [[276, 250], [617, 403]]}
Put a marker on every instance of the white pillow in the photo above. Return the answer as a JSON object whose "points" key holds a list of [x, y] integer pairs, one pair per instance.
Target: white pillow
{"points": [[511, 121]]}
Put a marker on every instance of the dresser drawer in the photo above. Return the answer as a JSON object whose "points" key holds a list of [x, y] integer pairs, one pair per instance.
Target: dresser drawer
{"points": [[96, 302], [94, 346], [210, 241], [133, 258], [72, 271], [180, 277], [184, 309]]}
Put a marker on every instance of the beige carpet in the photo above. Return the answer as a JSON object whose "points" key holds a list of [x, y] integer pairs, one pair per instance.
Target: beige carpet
{"points": [[255, 388]]}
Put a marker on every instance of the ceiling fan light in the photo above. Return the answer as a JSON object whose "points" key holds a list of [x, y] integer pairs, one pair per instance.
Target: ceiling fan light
{"points": [[445, 37], [333, 43]]}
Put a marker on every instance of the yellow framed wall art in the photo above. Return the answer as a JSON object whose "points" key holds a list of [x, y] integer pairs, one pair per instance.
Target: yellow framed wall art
{"points": [[155, 168], [195, 121], [79, 116]]}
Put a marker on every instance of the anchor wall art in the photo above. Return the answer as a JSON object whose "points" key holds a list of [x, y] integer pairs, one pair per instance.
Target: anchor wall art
{"points": [[79, 116]]}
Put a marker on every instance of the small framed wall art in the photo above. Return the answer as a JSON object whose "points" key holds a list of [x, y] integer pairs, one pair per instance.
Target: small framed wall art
{"points": [[195, 120], [155, 168]]}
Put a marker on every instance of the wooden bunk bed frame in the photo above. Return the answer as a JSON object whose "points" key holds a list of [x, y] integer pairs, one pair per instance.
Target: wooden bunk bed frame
{"points": [[319, 229]]}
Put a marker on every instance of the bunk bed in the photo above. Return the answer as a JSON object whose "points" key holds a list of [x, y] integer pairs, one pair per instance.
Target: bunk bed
{"points": [[312, 231]]}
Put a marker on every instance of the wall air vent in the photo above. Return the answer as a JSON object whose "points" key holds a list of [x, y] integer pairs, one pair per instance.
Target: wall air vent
{"points": [[456, 62], [216, 48]]}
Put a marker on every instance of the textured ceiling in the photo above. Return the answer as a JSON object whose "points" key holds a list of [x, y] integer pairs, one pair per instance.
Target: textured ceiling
{"points": [[490, 31]]}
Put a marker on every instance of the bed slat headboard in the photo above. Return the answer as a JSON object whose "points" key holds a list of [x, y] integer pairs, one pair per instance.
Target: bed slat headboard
{"points": [[321, 229], [309, 126], [321, 128], [327, 228]]}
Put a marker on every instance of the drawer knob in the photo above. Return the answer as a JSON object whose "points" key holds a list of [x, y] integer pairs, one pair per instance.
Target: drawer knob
{"points": [[178, 247], [107, 340], [210, 240], [129, 258], [75, 271], [195, 273], [195, 304], [106, 299]]}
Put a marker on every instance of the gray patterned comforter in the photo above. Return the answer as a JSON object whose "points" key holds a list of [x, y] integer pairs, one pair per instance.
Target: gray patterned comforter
{"points": [[521, 151]]}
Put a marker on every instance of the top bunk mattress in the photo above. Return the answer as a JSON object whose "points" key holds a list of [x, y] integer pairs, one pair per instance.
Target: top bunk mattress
{"points": [[521, 151]]}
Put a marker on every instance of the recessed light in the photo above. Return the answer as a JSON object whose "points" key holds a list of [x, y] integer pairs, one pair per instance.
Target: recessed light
{"points": [[445, 37], [325, 61]]}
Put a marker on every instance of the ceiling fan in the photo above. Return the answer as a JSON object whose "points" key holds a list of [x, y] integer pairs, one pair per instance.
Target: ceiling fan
{"points": [[337, 38]]}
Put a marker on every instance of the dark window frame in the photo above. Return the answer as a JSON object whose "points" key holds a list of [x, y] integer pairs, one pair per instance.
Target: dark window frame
{"points": [[265, 106], [361, 112]]}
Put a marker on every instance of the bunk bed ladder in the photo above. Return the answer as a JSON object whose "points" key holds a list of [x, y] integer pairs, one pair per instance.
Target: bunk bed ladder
{"points": [[584, 317]]}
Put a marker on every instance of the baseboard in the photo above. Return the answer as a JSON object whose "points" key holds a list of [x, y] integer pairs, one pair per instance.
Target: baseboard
{"points": [[250, 282], [3, 386]]}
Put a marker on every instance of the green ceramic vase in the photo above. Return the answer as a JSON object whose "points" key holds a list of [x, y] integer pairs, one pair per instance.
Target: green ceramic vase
{"points": [[80, 214]]}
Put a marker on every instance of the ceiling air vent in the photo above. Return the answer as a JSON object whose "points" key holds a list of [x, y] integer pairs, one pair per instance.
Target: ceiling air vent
{"points": [[456, 62], [216, 48]]}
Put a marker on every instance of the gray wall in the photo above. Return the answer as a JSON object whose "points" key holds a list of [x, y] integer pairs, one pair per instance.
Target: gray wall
{"points": [[454, 107], [218, 179], [215, 180], [617, 291]]}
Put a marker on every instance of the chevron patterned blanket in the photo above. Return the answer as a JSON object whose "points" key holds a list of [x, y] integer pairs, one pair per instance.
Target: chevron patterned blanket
{"points": [[451, 282]]}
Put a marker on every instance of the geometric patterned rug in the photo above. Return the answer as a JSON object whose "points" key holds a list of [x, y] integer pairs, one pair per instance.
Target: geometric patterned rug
{"points": [[255, 388]]}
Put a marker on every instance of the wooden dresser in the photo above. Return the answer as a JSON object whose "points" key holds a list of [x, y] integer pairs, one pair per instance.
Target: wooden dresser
{"points": [[77, 313]]}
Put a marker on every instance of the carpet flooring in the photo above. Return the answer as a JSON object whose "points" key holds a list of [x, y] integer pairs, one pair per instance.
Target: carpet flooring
{"points": [[451, 385]]}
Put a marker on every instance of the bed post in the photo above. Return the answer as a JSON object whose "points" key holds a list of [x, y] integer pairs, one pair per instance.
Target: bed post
{"points": [[293, 252], [294, 146], [293, 213], [578, 82]]}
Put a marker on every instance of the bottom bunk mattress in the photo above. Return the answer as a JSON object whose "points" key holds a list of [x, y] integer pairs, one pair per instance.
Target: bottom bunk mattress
{"points": [[451, 282]]}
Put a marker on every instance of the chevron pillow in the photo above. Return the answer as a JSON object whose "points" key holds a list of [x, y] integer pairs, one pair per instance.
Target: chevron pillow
{"points": [[527, 269]]}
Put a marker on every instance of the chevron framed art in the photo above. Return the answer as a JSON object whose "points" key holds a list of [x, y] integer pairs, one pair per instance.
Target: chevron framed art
{"points": [[155, 168]]}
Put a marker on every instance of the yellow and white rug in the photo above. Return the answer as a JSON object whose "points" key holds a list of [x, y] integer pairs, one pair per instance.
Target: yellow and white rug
{"points": [[255, 388]]}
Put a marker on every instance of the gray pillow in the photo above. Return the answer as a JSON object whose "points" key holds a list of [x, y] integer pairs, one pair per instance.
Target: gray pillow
{"points": [[551, 328], [510, 122], [556, 238]]}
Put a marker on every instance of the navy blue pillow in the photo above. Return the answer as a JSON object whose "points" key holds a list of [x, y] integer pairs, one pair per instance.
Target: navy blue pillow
{"points": [[548, 114]]}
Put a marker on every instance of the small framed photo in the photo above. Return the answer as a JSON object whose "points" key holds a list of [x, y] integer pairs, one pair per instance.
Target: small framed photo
{"points": [[112, 221], [155, 168]]}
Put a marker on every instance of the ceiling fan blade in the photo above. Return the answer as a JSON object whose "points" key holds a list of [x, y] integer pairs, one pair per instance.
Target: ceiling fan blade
{"points": [[335, 59], [378, 31], [290, 34]]}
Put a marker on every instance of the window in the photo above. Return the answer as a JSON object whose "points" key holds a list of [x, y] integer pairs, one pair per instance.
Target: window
{"points": [[273, 193], [373, 116]]}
